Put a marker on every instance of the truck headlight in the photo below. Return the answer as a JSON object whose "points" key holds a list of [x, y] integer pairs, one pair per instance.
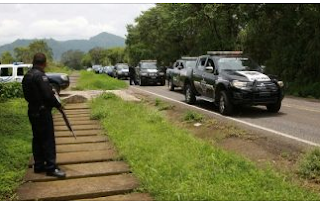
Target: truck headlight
{"points": [[161, 73], [144, 74], [239, 84], [64, 77], [281, 84]]}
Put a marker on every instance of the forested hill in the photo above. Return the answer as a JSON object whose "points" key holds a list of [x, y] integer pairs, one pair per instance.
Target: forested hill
{"points": [[104, 40]]}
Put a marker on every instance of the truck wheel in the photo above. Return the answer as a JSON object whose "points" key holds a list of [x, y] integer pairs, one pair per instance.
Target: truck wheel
{"points": [[225, 106], [274, 108], [56, 87], [170, 85], [189, 95], [141, 83], [163, 82]]}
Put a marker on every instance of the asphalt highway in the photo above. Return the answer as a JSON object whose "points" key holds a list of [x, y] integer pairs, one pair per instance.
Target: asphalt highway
{"points": [[298, 119]]}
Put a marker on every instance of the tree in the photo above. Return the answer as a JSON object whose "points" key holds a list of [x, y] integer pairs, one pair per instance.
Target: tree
{"points": [[97, 55], [116, 55], [72, 59], [23, 54], [41, 46], [6, 58]]}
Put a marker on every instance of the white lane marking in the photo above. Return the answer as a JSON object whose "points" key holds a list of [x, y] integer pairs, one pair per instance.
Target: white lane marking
{"points": [[300, 107], [236, 120]]}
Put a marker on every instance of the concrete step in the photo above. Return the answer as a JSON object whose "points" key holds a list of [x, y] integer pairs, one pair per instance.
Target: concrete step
{"points": [[90, 187], [82, 170], [84, 147], [76, 106], [79, 133], [80, 140], [75, 122], [84, 157], [71, 119], [78, 127], [59, 116], [127, 197]]}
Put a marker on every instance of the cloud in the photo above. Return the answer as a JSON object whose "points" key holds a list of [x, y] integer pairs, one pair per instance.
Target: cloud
{"points": [[65, 21]]}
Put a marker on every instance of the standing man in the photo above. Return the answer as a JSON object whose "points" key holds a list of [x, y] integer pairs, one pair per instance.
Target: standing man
{"points": [[132, 75], [38, 92]]}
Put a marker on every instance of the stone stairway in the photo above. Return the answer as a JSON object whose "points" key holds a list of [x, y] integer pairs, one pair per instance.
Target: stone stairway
{"points": [[94, 170]]}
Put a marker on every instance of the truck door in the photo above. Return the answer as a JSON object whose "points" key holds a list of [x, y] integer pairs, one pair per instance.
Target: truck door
{"points": [[197, 75], [209, 79]]}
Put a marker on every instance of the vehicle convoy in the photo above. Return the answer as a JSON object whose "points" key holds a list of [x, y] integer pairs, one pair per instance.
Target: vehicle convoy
{"points": [[147, 72], [177, 74], [228, 79], [15, 73], [121, 70]]}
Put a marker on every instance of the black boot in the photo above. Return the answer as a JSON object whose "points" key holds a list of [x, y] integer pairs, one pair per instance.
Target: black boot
{"points": [[56, 173]]}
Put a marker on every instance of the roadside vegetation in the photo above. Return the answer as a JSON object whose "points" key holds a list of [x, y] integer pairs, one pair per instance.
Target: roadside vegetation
{"points": [[54, 67], [174, 165], [310, 165], [92, 81], [15, 143]]}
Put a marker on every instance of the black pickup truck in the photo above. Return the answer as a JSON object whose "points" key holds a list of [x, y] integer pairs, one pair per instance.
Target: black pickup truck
{"points": [[178, 73], [147, 72], [228, 79]]}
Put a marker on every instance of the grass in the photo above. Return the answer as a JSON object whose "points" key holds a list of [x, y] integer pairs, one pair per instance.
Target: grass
{"points": [[92, 81], [310, 165], [192, 116], [171, 164], [15, 145], [58, 68]]}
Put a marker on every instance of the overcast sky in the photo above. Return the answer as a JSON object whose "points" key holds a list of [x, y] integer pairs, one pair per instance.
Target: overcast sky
{"points": [[65, 21]]}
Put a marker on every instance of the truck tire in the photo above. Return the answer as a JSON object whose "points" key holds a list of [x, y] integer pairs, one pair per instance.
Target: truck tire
{"points": [[274, 108], [225, 105], [141, 83], [163, 82], [190, 97], [170, 84], [56, 87]]}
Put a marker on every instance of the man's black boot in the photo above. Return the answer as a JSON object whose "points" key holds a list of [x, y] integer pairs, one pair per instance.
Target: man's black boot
{"points": [[39, 169], [56, 173]]}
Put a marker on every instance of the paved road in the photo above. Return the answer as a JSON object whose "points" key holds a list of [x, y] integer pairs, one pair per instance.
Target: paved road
{"points": [[298, 119]]}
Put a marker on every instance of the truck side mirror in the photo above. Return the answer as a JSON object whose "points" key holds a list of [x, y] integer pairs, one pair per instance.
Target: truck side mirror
{"points": [[180, 67], [209, 69]]}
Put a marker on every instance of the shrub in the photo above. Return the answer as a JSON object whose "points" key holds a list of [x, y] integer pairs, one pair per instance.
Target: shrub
{"points": [[193, 116], [310, 165], [10, 90]]}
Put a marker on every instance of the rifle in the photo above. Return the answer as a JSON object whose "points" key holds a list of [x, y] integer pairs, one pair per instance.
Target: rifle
{"points": [[56, 95]]}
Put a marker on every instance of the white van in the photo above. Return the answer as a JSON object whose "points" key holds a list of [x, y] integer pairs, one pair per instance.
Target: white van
{"points": [[13, 72]]}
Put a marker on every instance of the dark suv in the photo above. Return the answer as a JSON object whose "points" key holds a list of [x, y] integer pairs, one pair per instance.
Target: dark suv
{"points": [[147, 72], [228, 78]]}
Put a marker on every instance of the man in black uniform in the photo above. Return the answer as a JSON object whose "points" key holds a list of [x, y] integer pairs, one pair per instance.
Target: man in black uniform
{"points": [[38, 92], [132, 75]]}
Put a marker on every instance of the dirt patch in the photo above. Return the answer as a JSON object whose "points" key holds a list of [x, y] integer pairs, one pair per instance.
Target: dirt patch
{"points": [[265, 151]]}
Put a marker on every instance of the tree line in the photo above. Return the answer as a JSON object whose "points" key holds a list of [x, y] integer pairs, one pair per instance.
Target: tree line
{"points": [[74, 59], [283, 37]]}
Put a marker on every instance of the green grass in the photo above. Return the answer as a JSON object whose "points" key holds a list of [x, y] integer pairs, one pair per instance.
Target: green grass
{"points": [[192, 116], [171, 164], [15, 145], [310, 165], [58, 68], [92, 81]]}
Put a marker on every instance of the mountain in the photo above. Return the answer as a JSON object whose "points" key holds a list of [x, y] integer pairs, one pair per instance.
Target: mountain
{"points": [[104, 40]]}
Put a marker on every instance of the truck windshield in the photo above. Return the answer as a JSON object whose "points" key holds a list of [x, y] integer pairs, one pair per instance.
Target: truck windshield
{"points": [[191, 63], [123, 66], [237, 64], [148, 66]]}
